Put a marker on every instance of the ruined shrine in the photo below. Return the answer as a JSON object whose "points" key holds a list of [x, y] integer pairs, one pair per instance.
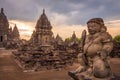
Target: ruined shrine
{"points": [[43, 50], [42, 34], [7, 35]]}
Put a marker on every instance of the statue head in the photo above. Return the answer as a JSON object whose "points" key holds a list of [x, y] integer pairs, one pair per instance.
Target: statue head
{"points": [[95, 25]]}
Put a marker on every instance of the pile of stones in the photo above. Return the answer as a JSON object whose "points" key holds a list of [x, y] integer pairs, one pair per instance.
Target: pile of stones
{"points": [[39, 58], [116, 50]]}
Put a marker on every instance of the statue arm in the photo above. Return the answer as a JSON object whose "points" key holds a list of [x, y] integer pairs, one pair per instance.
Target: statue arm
{"points": [[107, 46], [107, 43]]}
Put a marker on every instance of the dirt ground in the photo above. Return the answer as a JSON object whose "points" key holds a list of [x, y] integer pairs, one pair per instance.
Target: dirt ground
{"points": [[9, 70]]}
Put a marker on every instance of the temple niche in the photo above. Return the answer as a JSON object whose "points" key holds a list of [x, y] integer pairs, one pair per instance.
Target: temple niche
{"points": [[7, 35]]}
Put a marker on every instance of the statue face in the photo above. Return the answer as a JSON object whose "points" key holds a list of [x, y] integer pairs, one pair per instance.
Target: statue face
{"points": [[93, 28]]}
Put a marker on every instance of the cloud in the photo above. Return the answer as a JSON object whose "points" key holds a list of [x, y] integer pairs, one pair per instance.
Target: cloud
{"points": [[76, 11], [66, 31], [19, 9], [25, 28], [58, 19], [113, 27], [65, 16]]}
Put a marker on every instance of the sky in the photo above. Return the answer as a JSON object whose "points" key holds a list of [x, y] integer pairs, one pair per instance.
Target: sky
{"points": [[66, 16]]}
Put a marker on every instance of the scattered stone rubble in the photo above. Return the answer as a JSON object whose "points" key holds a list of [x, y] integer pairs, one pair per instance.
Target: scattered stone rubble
{"points": [[116, 50], [38, 58]]}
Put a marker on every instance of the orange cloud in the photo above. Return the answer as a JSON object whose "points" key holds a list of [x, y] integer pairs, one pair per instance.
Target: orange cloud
{"points": [[113, 27], [26, 28]]}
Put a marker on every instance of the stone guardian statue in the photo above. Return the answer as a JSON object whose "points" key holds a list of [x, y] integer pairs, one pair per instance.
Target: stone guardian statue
{"points": [[96, 47]]}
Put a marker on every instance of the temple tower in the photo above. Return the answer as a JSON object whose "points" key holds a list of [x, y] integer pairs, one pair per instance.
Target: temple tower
{"points": [[43, 34], [4, 28], [58, 40], [74, 38], [15, 33]]}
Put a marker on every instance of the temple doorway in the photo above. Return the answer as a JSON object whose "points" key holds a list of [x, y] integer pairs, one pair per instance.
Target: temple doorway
{"points": [[1, 38]]}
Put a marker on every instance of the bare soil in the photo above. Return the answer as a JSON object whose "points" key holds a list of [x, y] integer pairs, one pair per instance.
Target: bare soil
{"points": [[9, 70]]}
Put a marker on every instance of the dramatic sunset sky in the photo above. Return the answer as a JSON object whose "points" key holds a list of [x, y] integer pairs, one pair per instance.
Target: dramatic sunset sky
{"points": [[65, 16]]}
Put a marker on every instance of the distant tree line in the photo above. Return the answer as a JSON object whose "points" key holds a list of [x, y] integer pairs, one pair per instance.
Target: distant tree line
{"points": [[70, 38], [117, 38]]}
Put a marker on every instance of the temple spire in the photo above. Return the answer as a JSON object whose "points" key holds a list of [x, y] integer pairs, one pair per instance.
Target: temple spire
{"points": [[2, 10], [58, 39], [43, 11], [73, 35], [16, 32], [73, 32]]}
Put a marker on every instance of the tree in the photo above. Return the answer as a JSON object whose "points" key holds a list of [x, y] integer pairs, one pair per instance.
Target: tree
{"points": [[70, 38], [117, 38], [79, 39]]}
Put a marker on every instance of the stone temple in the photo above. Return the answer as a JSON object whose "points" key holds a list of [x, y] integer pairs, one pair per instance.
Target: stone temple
{"points": [[45, 51], [7, 35], [42, 34]]}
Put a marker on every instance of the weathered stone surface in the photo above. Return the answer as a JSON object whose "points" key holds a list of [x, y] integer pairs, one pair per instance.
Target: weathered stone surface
{"points": [[96, 46], [8, 38]]}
